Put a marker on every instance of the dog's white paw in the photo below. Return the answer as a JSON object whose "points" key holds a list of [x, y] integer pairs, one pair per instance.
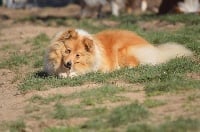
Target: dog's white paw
{"points": [[63, 75], [72, 74]]}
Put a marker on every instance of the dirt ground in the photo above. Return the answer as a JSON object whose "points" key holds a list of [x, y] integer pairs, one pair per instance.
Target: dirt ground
{"points": [[13, 103]]}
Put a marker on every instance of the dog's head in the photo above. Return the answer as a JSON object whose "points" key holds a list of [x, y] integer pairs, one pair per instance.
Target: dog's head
{"points": [[78, 53]]}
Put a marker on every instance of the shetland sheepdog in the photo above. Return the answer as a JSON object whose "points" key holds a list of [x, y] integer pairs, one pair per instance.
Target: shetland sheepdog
{"points": [[76, 52]]}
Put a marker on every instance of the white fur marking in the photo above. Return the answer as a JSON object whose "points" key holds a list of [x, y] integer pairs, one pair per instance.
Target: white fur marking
{"points": [[63, 75], [144, 5], [161, 54], [98, 58], [82, 32], [115, 8], [72, 74], [189, 6], [97, 49]]}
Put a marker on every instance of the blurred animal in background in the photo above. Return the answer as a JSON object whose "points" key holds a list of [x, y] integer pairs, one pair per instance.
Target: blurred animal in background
{"points": [[91, 8], [139, 6], [179, 6], [95, 8]]}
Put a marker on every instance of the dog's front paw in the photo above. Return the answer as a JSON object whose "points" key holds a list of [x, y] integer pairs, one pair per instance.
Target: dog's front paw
{"points": [[72, 74], [63, 75]]}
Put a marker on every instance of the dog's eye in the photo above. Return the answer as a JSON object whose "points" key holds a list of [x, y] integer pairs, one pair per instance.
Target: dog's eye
{"points": [[77, 55], [67, 51]]}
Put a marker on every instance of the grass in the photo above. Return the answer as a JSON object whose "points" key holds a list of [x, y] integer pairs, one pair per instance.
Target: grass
{"points": [[140, 128], [40, 40], [66, 112], [62, 129], [151, 103], [100, 95], [16, 126], [174, 85], [118, 117], [47, 100], [133, 112], [179, 125], [60, 112], [15, 60], [193, 97]]}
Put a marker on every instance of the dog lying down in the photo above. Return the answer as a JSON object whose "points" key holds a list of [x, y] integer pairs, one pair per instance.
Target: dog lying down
{"points": [[76, 52]]}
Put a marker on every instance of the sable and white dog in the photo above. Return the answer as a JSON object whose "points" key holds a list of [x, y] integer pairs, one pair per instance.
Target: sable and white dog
{"points": [[75, 52]]}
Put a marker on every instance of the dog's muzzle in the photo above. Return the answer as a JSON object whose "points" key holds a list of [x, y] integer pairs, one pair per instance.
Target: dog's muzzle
{"points": [[68, 65]]}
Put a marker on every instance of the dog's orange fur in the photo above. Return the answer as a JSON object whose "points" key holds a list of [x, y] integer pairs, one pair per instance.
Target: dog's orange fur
{"points": [[116, 44], [74, 53]]}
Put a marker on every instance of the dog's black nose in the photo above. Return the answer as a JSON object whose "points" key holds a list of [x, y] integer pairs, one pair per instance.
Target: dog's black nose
{"points": [[68, 64]]}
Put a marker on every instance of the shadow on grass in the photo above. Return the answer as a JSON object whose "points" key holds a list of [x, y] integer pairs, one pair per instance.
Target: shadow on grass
{"points": [[41, 74]]}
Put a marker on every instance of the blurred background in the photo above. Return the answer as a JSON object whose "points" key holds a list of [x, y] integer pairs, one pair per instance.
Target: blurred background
{"points": [[103, 8]]}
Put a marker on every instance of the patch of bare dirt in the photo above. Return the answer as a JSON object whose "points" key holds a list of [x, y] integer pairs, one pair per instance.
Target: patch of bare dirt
{"points": [[157, 25], [36, 126], [18, 34], [176, 106], [110, 23], [61, 90], [195, 76], [71, 10], [10, 107]]}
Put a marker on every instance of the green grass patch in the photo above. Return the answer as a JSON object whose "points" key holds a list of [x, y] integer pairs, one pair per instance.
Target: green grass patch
{"points": [[62, 129], [173, 69], [47, 100], [15, 60], [116, 118], [97, 123], [180, 125], [88, 97], [33, 58], [100, 95], [60, 112], [41, 82], [40, 40], [133, 112], [66, 112], [172, 85], [189, 19], [16, 126], [150, 103], [193, 97], [140, 128]]}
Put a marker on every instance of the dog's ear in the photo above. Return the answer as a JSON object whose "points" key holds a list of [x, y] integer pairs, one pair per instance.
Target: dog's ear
{"points": [[89, 45], [70, 33]]}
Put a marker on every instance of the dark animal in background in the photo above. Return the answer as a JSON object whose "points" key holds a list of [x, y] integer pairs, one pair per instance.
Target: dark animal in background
{"points": [[179, 6]]}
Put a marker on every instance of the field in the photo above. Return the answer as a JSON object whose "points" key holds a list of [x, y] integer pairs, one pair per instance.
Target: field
{"points": [[144, 99]]}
